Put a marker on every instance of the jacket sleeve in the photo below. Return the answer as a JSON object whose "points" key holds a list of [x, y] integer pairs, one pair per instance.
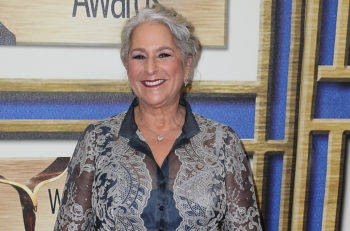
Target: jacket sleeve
{"points": [[241, 207], [75, 211]]}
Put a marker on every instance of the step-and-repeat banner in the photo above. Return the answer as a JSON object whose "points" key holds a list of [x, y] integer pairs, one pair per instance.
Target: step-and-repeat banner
{"points": [[99, 22], [31, 188], [293, 118]]}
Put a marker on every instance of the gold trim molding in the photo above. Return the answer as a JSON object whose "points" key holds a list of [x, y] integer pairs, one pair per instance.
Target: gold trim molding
{"points": [[120, 86]]}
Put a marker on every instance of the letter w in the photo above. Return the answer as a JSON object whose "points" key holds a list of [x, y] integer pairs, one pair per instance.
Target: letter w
{"points": [[53, 203], [94, 7]]}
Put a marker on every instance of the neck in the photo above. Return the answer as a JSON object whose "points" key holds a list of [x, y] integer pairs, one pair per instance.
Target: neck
{"points": [[160, 119]]}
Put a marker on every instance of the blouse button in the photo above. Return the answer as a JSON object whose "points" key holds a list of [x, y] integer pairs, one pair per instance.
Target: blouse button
{"points": [[161, 208]]}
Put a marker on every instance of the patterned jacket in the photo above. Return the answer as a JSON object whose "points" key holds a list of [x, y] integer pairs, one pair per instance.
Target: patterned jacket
{"points": [[114, 183]]}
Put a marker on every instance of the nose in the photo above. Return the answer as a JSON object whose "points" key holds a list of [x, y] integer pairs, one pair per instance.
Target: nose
{"points": [[151, 66]]}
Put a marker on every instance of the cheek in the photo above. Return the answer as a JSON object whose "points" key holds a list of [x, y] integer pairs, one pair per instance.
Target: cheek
{"points": [[134, 71], [175, 69]]}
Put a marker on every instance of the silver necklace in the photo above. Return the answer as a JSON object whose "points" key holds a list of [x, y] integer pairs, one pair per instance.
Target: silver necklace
{"points": [[160, 137]]}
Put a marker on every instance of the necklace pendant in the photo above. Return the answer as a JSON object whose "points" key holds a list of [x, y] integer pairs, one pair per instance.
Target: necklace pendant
{"points": [[160, 138]]}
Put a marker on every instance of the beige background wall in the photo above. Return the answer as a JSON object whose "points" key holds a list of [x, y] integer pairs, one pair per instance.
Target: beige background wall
{"points": [[249, 74], [96, 62]]}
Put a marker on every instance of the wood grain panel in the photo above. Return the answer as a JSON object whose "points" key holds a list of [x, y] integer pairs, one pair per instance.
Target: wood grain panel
{"points": [[296, 37], [311, 73], [59, 85], [56, 21], [331, 210], [21, 170], [258, 172], [260, 145], [329, 124], [44, 125], [333, 74], [305, 110], [265, 34], [120, 86]]}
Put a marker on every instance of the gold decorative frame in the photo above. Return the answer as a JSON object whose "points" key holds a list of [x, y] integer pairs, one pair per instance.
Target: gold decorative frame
{"points": [[311, 74], [259, 146], [304, 72]]}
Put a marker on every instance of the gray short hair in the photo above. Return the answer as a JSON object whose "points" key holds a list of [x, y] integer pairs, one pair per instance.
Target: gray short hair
{"points": [[181, 29]]}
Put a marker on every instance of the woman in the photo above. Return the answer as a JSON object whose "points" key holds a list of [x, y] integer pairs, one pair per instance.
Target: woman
{"points": [[158, 166]]}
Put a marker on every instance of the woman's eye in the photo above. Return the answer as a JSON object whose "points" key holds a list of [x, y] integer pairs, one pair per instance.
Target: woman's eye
{"points": [[138, 57], [164, 55]]}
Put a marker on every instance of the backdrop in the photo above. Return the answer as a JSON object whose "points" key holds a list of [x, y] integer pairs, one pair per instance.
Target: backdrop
{"points": [[280, 78]]}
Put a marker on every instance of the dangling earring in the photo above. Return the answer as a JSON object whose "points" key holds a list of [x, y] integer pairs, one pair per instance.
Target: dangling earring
{"points": [[186, 82]]}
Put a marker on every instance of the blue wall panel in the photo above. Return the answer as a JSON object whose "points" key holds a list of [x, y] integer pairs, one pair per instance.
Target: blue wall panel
{"points": [[332, 100], [60, 110], [280, 70], [317, 182], [237, 112], [274, 165], [328, 28]]}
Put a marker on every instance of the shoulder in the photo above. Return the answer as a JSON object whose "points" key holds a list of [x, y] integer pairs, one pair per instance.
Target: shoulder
{"points": [[114, 121], [223, 135], [108, 125], [222, 140], [204, 123], [96, 134]]}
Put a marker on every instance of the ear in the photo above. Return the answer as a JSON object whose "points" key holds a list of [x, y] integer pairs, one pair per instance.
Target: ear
{"points": [[187, 67]]}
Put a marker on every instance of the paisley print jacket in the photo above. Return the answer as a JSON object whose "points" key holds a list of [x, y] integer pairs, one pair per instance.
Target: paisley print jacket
{"points": [[114, 183]]}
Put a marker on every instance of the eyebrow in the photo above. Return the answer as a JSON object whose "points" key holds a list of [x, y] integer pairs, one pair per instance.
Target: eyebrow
{"points": [[158, 49], [137, 49], [165, 48]]}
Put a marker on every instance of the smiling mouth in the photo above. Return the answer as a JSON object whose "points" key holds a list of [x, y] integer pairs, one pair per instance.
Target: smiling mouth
{"points": [[153, 83]]}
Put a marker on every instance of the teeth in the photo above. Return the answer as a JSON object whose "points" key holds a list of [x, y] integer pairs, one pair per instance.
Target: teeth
{"points": [[153, 83]]}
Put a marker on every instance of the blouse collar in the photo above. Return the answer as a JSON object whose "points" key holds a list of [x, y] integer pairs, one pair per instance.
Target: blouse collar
{"points": [[128, 127]]}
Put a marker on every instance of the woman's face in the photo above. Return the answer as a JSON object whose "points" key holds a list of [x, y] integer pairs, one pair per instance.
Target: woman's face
{"points": [[155, 70]]}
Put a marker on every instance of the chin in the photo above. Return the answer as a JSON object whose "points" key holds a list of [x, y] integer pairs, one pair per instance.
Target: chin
{"points": [[156, 101]]}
